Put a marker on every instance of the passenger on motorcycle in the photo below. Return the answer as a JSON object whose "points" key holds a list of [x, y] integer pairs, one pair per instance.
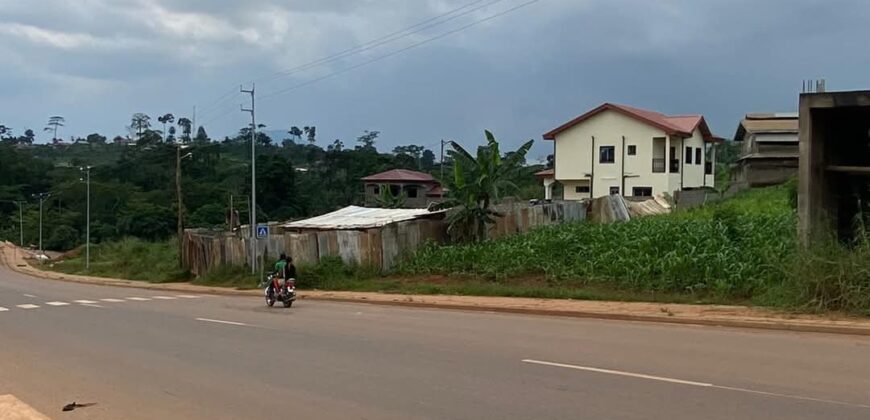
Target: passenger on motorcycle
{"points": [[284, 269]]}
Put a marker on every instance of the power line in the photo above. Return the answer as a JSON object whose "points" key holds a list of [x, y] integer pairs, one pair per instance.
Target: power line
{"points": [[359, 48], [399, 51], [412, 30]]}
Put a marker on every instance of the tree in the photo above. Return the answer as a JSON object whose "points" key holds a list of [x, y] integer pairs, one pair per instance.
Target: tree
{"points": [[477, 183], [427, 161], [95, 138], [409, 156], [311, 133], [296, 132], [386, 199], [149, 138], [336, 146], [170, 138], [164, 119], [54, 123], [367, 140], [29, 137], [201, 136], [5, 131], [140, 122], [186, 128]]}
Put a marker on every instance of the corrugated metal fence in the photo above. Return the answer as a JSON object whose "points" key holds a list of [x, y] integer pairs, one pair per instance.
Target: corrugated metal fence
{"points": [[378, 247]]}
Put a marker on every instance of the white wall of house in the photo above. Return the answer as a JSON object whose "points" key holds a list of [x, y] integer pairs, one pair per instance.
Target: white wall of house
{"points": [[574, 155]]}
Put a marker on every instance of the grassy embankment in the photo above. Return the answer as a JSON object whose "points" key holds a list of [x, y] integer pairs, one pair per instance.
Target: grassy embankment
{"points": [[743, 250]]}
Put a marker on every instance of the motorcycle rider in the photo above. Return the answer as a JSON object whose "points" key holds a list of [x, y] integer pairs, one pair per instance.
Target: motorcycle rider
{"points": [[284, 269]]}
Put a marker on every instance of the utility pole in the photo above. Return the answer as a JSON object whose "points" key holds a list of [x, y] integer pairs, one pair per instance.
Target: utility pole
{"points": [[20, 223], [42, 197], [194, 129], [180, 203], [442, 161], [87, 171], [252, 110]]}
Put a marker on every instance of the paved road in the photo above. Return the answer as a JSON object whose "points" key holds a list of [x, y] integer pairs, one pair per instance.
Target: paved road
{"points": [[140, 355]]}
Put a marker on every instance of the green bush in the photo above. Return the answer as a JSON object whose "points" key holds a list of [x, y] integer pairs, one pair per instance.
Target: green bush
{"points": [[129, 258]]}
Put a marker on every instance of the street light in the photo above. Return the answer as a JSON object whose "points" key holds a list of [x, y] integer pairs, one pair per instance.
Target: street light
{"points": [[180, 233], [42, 197], [87, 179]]}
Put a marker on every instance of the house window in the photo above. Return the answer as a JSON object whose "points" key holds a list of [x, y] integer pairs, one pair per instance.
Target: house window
{"points": [[632, 150], [698, 159], [582, 189], [641, 191], [614, 190], [607, 154], [395, 190], [412, 192], [376, 190], [688, 156]]}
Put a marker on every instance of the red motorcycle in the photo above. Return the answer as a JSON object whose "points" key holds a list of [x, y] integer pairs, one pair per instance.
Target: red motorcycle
{"points": [[276, 291]]}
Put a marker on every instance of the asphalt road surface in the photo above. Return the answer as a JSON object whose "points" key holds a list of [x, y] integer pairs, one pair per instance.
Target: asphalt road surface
{"points": [[143, 355]]}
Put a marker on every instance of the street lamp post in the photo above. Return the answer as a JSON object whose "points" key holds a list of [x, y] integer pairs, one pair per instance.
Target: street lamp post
{"points": [[180, 221], [87, 171], [42, 197]]}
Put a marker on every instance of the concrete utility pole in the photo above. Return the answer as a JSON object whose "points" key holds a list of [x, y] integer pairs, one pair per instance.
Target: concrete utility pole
{"points": [[42, 197], [252, 110], [87, 171], [442, 162], [20, 222], [180, 203]]}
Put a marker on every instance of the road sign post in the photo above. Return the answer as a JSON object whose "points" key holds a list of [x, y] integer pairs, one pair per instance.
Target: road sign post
{"points": [[262, 231]]}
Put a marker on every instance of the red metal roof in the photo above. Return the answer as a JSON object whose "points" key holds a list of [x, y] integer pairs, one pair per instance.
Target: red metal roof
{"points": [[546, 173], [681, 125], [400, 175]]}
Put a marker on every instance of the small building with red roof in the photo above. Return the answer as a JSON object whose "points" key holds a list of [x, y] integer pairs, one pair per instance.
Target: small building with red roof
{"points": [[619, 149], [419, 188]]}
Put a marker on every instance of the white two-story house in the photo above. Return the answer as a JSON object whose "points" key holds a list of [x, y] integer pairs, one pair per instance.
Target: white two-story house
{"points": [[617, 149]]}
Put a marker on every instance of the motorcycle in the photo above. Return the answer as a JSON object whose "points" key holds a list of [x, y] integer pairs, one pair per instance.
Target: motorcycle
{"points": [[275, 291]]}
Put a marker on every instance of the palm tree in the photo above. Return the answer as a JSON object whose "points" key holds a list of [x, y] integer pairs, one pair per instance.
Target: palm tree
{"points": [[166, 118], [477, 183], [54, 123]]}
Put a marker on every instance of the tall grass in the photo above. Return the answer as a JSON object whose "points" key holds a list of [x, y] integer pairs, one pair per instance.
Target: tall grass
{"points": [[130, 258]]}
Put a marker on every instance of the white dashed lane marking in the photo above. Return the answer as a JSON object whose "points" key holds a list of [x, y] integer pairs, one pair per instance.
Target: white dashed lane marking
{"points": [[30, 296], [95, 304]]}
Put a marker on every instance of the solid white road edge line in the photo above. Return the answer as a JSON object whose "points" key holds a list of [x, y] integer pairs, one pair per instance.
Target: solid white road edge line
{"points": [[693, 383], [620, 373], [217, 321]]}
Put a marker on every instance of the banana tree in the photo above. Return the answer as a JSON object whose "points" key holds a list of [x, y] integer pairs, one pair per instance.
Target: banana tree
{"points": [[477, 183]]}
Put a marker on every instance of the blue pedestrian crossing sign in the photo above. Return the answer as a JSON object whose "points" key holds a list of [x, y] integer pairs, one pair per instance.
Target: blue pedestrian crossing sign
{"points": [[262, 231]]}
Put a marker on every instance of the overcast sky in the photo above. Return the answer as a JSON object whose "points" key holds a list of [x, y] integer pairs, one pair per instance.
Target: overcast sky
{"points": [[96, 62]]}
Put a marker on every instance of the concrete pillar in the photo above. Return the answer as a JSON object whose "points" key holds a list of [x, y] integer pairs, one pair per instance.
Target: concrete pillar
{"points": [[548, 188]]}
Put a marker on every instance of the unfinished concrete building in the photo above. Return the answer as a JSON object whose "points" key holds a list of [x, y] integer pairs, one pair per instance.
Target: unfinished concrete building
{"points": [[834, 165], [769, 152]]}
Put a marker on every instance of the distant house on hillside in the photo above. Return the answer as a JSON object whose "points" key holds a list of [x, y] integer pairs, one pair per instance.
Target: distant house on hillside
{"points": [[618, 149], [419, 188], [769, 153]]}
